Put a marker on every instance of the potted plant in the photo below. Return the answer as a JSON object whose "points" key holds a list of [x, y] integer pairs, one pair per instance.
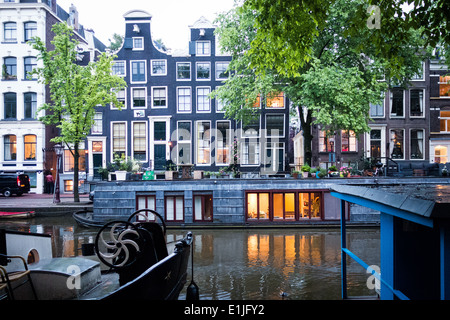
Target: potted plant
{"points": [[333, 171], [103, 172], [295, 173], [313, 172], [321, 173], [305, 170], [122, 165], [444, 171], [171, 170]]}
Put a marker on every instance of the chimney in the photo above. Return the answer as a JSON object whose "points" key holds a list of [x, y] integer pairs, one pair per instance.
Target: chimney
{"points": [[73, 17]]}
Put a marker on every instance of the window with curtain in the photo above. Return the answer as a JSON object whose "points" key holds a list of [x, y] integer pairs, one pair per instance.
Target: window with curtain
{"points": [[326, 141], [119, 138], [203, 142], [416, 100], [348, 141], [417, 144], [139, 141], [10, 147], [396, 146]]}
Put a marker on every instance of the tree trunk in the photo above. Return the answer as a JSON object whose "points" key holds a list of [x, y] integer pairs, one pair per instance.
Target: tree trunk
{"points": [[76, 161], [307, 135]]}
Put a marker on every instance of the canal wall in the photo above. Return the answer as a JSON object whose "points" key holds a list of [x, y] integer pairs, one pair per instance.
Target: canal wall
{"points": [[119, 199]]}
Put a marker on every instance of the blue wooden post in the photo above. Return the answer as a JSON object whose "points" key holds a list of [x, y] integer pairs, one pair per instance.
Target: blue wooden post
{"points": [[343, 254], [445, 261], [387, 255]]}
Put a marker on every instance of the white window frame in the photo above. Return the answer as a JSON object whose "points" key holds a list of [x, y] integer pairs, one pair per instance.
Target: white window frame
{"points": [[112, 138], [246, 156], [422, 76], [197, 47], [190, 100], [230, 141], [146, 140], [158, 74], [423, 102], [132, 97], [135, 48], [131, 71], [98, 123], [284, 125], [196, 71], [197, 143], [391, 143], [197, 100], [391, 96], [216, 70], [423, 144], [183, 142], [190, 71], [124, 63], [153, 97], [113, 107], [243, 135]]}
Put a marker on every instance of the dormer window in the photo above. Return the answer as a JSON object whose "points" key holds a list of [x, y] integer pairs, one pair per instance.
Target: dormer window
{"points": [[138, 43], [203, 48]]}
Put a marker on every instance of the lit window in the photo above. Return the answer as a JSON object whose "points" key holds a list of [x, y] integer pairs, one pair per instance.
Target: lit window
{"points": [[444, 86], [348, 141], [326, 141], [30, 147], [440, 154], [223, 142], [10, 147], [397, 144], [275, 100], [68, 185], [203, 142], [258, 206], [69, 161], [445, 121], [203, 208]]}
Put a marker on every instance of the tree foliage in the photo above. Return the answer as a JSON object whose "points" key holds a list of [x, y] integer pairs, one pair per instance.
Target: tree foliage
{"points": [[75, 90], [330, 74]]}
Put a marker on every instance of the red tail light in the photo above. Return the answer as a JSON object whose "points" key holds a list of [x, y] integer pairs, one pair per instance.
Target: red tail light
{"points": [[18, 181]]}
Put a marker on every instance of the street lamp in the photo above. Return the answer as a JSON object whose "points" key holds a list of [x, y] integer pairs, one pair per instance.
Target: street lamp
{"points": [[59, 149]]}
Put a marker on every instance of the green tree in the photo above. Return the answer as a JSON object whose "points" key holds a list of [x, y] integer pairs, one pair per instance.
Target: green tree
{"points": [[75, 90], [116, 42], [331, 82]]}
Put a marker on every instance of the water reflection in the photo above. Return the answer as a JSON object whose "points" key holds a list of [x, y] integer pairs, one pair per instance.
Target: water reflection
{"points": [[241, 264]]}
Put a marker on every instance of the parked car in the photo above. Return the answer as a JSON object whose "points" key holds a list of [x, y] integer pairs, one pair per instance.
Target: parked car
{"points": [[14, 184]]}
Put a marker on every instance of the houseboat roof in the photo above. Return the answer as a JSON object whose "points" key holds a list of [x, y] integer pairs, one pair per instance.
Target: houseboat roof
{"points": [[428, 201]]}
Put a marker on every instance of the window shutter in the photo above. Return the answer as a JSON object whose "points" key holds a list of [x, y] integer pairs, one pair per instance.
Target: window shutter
{"points": [[128, 43], [192, 47]]}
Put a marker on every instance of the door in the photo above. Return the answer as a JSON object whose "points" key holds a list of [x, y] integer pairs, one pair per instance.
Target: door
{"points": [[98, 163], [160, 156]]}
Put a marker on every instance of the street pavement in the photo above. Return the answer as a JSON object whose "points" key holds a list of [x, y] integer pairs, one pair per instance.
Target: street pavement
{"points": [[43, 202]]}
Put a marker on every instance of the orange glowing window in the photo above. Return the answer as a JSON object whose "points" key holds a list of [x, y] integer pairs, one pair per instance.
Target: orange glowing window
{"points": [[275, 100], [444, 86]]}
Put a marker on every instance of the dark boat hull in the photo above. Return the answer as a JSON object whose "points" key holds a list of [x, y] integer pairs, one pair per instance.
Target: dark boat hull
{"points": [[85, 219], [162, 281]]}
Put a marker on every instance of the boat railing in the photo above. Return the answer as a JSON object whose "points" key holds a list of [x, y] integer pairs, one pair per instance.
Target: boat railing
{"points": [[345, 252]]}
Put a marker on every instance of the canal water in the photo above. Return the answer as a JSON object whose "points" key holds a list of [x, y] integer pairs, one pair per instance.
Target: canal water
{"points": [[250, 264]]}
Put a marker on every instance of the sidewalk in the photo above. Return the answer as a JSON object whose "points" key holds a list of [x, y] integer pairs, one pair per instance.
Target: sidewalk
{"points": [[43, 203]]}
